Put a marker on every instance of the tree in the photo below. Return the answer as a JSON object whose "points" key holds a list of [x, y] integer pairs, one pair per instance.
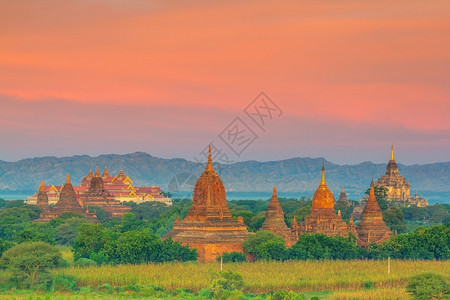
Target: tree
{"points": [[428, 286], [228, 257], [271, 250], [423, 243], [134, 247], [67, 231], [2, 203], [99, 212], [30, 262], [35, 232], [320, 246], [393, 217], [225, 282], [5, 245], [174, 251], [90, 240], [253, 241]]}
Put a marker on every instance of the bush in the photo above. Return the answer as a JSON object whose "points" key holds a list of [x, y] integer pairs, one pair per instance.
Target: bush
{"points": [[428, 286], [30, 262], [85, 262], [228, 257], [64, 283], [226, 282], [284, 295], [252, 243]]}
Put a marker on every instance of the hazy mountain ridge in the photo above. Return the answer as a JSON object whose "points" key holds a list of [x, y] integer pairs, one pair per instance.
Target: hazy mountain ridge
{"points": [[290, 175]]}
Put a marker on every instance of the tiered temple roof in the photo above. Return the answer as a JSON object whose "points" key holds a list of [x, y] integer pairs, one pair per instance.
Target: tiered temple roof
{"points": [[208, 225], [275, 223], [323, 218], [68, 202], [398, 187], [120, 187], [98, 196], [372, 229], [343, 198]]}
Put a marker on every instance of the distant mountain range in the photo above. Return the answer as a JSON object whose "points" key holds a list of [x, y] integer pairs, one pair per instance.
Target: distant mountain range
{"points": [[295, 175]]}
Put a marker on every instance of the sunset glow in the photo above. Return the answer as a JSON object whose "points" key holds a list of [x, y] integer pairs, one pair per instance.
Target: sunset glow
{"points": [[351, 77]]}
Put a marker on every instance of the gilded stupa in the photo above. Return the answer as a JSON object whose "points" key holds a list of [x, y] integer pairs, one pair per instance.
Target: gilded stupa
{"points": [[208, 225], [275, 223], [323, 218], [372, 229]]}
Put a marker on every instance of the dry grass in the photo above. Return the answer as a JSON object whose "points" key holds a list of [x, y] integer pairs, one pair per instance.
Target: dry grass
{"points": [[263, 277]]}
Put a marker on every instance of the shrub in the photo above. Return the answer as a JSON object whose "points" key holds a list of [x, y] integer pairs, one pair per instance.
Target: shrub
{"points": [[64, 283], [427, 286], [228, 257], [226, 282], [252, 243], [284, 295]]}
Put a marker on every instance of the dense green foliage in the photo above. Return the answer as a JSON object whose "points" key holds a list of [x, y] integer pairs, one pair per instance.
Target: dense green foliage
{"points": [[101, 245], [265, 245], [394, 219], [228, 257], [423, 243], [30, 262], [320, 246], [428, 286], [226, 282]]}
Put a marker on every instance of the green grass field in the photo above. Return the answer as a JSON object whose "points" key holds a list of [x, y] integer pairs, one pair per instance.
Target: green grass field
{"points": [[357, 279]]}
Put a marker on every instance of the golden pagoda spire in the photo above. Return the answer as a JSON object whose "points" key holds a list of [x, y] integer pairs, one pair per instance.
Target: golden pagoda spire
{"points": [[343, 189], [392, 152], [322, 181], [68, 179], [209, 165], [97, 173], [274, 192], [42, 187]]}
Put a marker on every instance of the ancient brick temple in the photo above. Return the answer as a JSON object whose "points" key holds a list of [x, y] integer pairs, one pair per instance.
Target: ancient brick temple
{"points": [[323, 218], [343, 198], [275, 223], [398, 187], [42, 198], [372, 229], [98, 196], [68, 202], [208, 226]]}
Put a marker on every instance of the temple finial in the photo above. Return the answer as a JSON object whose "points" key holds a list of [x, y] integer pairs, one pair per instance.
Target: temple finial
{"points": [[322, 181], [274, 192], [209, 165], [343, 189], [42, 187], [392, 152], [97, 173], [68, 178]]}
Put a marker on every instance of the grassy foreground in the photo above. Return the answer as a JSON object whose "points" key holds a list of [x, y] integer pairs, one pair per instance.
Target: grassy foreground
{"points": [[261, 277], [357, 279]]}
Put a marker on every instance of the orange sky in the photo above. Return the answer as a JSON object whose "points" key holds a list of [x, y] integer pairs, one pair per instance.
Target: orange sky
{"points": [[350, 76]]}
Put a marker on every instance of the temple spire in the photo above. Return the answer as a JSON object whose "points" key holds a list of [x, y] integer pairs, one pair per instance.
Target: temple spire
{"points": [[392, 152], [68, 179], [274, 192], [322, 181], [42, 187], [209, 165], [97, 173]]}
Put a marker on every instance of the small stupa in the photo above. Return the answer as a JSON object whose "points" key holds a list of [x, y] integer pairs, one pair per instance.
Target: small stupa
{"points": [[372, 229], [275, 223]]}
